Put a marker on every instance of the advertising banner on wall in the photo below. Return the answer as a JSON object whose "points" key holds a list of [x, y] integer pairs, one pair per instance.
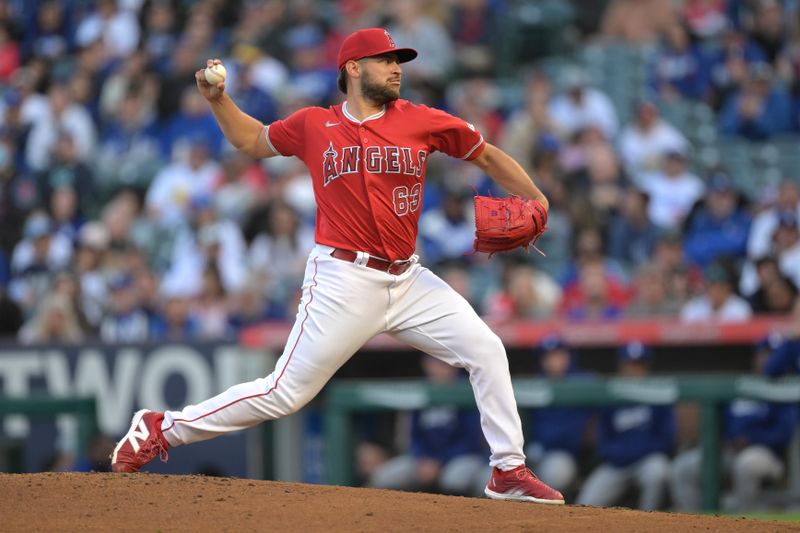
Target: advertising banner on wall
{"points": [[124, 379]]}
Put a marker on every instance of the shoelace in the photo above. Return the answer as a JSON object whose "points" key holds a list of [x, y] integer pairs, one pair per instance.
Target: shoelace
{"points": [[526, 473], [154, 447]]}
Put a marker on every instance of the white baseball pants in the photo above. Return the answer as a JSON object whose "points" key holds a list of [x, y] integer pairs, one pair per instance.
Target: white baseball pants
{"points": [[343, 306]]}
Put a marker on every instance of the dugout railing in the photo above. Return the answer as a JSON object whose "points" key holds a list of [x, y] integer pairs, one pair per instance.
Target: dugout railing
{"points": [[44, 406], [710, 392]]}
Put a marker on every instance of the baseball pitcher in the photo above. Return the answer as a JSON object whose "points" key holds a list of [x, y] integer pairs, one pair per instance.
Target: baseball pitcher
{"points": [[367, 158]]}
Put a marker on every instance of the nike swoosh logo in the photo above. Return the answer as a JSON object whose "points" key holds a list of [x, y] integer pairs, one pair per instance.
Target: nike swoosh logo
{"points": [[330, 124]]}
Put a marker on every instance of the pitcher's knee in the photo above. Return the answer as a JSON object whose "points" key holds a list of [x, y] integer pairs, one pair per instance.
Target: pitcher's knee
{"points": [[287, 403], [489, 346]]}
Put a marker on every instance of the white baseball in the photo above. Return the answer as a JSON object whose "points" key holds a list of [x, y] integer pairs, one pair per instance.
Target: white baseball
{"points": [[215, 74]]}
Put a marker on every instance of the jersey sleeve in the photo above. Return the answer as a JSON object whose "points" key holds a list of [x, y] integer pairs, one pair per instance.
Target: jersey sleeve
{"points": [[286, 136], [454, 136]]}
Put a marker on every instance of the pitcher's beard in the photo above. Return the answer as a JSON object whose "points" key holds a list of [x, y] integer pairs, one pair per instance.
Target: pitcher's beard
{"points": [[380, 94]]}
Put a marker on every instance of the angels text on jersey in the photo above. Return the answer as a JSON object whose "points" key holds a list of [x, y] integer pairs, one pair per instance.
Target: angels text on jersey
{"points": [[375, 160]]}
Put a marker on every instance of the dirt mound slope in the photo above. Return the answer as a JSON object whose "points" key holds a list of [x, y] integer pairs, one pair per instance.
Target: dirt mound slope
{"points": [[149, 502]]}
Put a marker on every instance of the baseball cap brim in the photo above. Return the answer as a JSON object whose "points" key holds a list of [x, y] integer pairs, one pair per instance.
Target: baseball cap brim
{"points": [[404, 55]]}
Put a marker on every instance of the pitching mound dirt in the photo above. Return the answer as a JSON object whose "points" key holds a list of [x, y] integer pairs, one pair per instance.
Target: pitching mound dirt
{"points": [[147, 502]]}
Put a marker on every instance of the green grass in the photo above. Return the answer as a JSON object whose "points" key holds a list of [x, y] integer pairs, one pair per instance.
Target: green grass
{"points": [[775, 517]]}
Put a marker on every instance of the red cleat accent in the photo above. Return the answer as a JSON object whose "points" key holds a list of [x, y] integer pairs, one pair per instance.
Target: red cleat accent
{"points": [[141, 444], [521, 485]]}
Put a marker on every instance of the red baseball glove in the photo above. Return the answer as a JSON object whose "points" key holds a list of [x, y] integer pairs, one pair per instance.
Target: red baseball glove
{"points": [[507, 223]]}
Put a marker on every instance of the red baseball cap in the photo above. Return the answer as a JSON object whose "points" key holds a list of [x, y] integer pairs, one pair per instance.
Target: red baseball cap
{"points": [[371, 42]]}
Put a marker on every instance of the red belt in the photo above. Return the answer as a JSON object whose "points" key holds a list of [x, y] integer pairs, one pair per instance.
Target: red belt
{"points": [[394, 268]]}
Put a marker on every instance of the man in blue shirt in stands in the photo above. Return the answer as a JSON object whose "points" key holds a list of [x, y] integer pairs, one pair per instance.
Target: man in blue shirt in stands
{"points": [[634, 443], [756, 436], [558, 432], [445, 449], [784, 357]]}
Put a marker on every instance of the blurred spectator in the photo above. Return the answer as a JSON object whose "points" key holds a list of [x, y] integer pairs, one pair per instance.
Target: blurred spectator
{"points": [[580, 106], [757, 434], [558, 432], [410, 26], [445, 446], [192, 123], [527, 294], [784, 357], [129, 153], [178, 78], [638, 22], [96, 460], [477, 100], [673, 190], [595, 294], [678, 69], [646, 139], [473, 26], [759, 110], [634, 443], [447, 233], [60, 116], [759, 242], [210, 308], [177, 183], [310, 76], [127, 227], [786, 245], [705, 19], [763, 272], [528, 130], [262, 24], [251, 306], [11, 319], [201, 34], [132, 77], [117, 28], [67, 284], [652, 296], [769, 28], [160, 33], [207, 241], [729, 65], [240, 186], [632, 236], [9, 52], [66, 172], [719, 302], [92, 243], [126, 321], [779, 297], [176, 320], [48, 36], [265, 73], [40, 253], [591, 167], [54, 321], [277, 255], [11, 208], [719, 226]]}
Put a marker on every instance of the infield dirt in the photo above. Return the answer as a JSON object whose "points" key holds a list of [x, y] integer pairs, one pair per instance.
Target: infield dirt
{"points": [[149, 502]]}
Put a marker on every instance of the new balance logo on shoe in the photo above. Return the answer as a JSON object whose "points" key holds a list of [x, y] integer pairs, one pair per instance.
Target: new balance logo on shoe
{"points": [[141, 432], [141, 444]]}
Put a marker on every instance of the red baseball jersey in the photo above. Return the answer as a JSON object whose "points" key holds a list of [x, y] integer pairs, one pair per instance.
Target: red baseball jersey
{"points": [[368, 175]]}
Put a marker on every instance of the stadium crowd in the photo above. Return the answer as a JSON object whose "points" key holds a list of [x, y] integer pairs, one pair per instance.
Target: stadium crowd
{"points": [[124, 214]]}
